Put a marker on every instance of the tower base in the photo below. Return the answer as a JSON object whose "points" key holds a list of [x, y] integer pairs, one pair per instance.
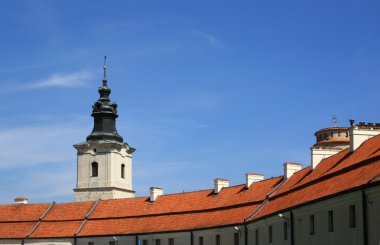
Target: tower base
{"points": [[93, 194]]}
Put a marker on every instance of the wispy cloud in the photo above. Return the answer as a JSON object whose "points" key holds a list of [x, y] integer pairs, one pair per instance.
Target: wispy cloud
{"points": [[31, 146], [63, 80], [211, 39]]}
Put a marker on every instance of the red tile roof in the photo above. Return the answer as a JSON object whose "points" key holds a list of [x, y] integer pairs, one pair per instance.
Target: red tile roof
{"points": [[199, 209], [22, 212], [15, 229]]}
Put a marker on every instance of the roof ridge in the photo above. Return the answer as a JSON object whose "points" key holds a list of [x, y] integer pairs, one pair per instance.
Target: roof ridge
{"points": [[183, 212]]}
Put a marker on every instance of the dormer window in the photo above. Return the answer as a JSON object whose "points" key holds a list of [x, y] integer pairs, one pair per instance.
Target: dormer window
{"points": [[94, 169]]}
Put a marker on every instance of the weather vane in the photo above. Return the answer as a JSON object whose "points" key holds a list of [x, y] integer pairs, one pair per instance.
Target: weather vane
{"points": [[334, 119], [105, 68]]}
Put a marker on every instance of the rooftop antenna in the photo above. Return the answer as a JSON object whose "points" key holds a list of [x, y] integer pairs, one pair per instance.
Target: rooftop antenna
{"points": [[334, 119], [105, 68]]}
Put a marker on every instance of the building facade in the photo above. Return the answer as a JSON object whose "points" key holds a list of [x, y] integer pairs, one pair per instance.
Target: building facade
{"points": [[334, 200]]}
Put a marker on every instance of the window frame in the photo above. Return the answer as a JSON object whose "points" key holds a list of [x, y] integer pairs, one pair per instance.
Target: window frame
{"points": [[94, 169]]}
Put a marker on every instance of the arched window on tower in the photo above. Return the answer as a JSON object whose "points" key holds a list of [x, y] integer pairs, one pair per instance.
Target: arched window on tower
{"points": [[94, 169], [123, 171]]}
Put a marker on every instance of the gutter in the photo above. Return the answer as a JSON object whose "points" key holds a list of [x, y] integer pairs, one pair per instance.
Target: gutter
{"points": [[85, 219], [365, 220], [39, 221], [265, 201], [291, 228]]}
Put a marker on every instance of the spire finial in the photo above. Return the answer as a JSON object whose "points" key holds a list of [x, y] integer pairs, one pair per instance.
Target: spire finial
{"points": [[105, 68]]}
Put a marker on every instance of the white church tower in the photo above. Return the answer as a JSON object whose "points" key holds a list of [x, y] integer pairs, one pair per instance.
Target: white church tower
{"points": [[104, 161]]}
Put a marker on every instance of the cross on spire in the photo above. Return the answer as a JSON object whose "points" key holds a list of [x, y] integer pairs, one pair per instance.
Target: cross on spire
{"points": [[105, 68]]}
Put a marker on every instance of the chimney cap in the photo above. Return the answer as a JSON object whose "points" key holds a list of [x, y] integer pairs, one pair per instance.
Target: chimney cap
{"points": [[20, 200]]}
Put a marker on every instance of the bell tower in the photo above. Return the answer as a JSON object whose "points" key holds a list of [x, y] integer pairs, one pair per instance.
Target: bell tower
{"points": [[104, 161]]}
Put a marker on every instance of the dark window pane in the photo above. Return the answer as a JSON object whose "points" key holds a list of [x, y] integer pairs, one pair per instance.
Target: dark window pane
{"points": [[201, 240], [236, 238], [311, 226], [90, 243], [158, 242], [217, 240], [285, 230], [270, 234], [94, 169], [171, 241], [145, 242], [112, 243], [256, 237], [352, 216], [330, 221], [123, 171]]}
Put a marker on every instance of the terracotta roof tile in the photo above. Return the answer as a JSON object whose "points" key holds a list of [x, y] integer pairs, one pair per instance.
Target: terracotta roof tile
{"points": [[56, 229], [185, 202], [15, 229], [161, 223], [69, 211], [22, 212]]}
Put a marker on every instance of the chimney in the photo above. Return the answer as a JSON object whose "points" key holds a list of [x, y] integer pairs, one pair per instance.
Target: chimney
{"points": [[318, 154], [252, 177], [290, 168], [362, 132], [219, 184], [155, 192], [20, 200]]}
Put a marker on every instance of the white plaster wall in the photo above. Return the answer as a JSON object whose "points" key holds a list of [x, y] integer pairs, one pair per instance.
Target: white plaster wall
{"points": [[110, 158], [317, 155]]}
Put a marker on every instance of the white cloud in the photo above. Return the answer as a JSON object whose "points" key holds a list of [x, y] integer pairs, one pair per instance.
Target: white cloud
{"points": [[63, 80], [31, 146], [211, 39]]}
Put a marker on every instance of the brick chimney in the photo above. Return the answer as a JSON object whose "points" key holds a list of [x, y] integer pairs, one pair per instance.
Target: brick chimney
{"points": [[155, 192], [250, 178], [219, 184], [290, 168]]}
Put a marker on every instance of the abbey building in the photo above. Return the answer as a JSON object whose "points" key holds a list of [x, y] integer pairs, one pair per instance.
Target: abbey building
{"points": [[334, 199]]}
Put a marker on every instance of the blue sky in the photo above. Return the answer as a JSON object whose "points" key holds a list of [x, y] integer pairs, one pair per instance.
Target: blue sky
{"points": [[205, 89]]}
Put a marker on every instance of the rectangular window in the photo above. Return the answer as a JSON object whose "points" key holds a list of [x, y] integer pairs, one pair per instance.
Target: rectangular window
{"points": [[201, 240], [112, 243], [217, 240], [270, 233], [144, 242], [171, 241], [285, 230], [256, 237], [157, 242], [90, 243], [312, 225], [236, 238], [330, 221], [352, 216]]}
